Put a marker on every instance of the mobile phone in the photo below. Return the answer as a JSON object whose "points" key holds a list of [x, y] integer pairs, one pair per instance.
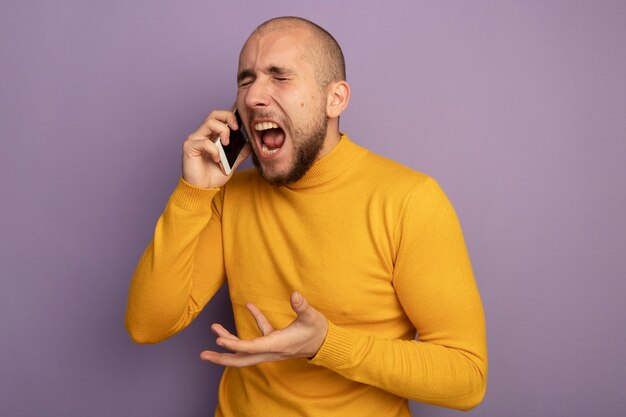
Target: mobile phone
{"points": [[237, 140]]}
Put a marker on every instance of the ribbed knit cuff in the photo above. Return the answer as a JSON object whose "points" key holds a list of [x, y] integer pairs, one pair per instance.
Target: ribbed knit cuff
{"points": [[336, 350], [191, 198]]}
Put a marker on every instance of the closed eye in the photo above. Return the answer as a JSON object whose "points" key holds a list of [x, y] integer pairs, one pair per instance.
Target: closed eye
{"points": [[245, 78], [280, 73]]}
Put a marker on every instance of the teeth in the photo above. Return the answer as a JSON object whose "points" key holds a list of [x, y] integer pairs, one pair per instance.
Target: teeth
{"points": [[265, 126], [259, 127], [268, 151]]}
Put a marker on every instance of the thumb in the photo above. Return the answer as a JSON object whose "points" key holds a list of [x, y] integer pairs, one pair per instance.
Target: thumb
{"points": [[299, 304]]}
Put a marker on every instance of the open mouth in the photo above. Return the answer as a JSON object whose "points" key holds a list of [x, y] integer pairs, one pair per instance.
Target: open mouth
{"points": [[270, 138]]}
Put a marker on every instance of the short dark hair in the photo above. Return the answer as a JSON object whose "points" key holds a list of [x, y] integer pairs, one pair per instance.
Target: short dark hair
{"points": [[326, 54]]}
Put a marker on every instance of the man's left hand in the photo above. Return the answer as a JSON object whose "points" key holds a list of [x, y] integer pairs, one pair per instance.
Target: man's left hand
{"points": [[300, 339]]}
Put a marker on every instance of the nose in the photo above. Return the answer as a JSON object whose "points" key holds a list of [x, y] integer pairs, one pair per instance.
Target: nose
{"points": [[257, 95]]}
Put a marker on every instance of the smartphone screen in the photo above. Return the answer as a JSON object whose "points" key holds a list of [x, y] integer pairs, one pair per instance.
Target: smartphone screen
{"points": [[238, 139]]}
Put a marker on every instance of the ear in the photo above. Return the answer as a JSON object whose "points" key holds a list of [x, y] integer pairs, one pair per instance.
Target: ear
{"points": [[338, 95]]}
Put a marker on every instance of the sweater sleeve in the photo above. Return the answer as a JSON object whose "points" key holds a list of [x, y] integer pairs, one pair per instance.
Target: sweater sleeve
{"points": [[447, 365], [181, 269]]}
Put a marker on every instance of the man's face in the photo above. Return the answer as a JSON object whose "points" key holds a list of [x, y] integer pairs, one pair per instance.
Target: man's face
{"points": [[281, 104]]}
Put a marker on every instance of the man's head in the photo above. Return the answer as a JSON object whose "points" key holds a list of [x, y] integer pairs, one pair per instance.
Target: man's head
{"points": [[291, 91], [322, 51]]}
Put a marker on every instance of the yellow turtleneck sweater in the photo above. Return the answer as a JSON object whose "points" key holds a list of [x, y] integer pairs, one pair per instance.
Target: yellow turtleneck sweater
{"points": [[374, 246]]}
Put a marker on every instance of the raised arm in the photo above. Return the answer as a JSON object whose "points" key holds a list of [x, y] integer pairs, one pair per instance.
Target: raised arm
{"points": [[183, 266]]}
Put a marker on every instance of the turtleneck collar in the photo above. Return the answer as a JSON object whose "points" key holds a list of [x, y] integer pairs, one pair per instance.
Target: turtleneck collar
{"points": [[333, 164]]}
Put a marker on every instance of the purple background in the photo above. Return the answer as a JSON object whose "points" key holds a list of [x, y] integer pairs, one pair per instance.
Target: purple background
{"points": [[517, 108]]}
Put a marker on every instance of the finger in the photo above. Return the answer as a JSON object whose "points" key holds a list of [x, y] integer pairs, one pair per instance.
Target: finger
{"points": [[259, 345], [261, 321], [236, 359], [221, 331], [201, 147], [224, 116], [219, 119], [303, 309], [211, 129], [299, 303], [231, 121]]}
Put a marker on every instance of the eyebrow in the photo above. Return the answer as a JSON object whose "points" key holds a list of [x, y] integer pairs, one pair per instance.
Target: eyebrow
{"points": [[276, 70], [243, 74], [272, 69]]}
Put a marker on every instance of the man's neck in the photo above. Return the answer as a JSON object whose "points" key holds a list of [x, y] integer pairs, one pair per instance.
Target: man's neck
{"points": [[330, 141]]}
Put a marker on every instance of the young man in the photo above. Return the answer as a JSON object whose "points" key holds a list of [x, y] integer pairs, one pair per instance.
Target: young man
{"points": [[335, 258]]}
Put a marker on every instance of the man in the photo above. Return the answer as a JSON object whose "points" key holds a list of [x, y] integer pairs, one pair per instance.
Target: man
{"points": [[335, 257]]}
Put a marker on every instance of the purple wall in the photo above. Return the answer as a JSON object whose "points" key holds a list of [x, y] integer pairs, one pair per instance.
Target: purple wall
{"points": [[517, 108]]}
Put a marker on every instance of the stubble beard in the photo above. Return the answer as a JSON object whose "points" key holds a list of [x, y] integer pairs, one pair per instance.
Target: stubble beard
{"points": [[307, 144]]}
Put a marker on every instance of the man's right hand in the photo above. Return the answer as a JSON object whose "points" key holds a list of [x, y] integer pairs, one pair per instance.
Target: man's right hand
{"points": [[201, 167]]}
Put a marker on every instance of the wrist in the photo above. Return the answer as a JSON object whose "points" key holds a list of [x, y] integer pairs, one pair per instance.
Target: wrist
{"points": [[192, 198]]}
